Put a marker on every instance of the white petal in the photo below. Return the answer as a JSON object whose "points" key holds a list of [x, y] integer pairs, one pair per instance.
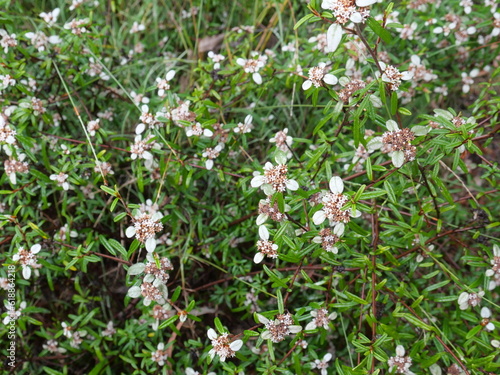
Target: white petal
{"points": [[333, 37], [266, 335], [248, 119], [257, 181], [375, 144], [339, 229], [134, 292], [295, 329], [306, 85], [140, 128], [208, 133], [365, 3], [236, 345], [280, 158], [258, 258], [398, 158], [420, 130], [336, 185], [240, 61], [130, 232], [496, 250], [392, 125], [257, 78], [263, 233], [26, 272], [463, 298], [136, 269], [405, 76], [268, 189], [147, 155], [319, 217], [490, 326], [356, 17], [209, 164], [310, 326], [317, 239], [355, 213], [292, 185], [415, 60], [170, 75], [212, 335], [400, 351], [327, 357], [35, 249], [151, 244], [485, 312], [330, 79], [262, 319], [261, 219]]}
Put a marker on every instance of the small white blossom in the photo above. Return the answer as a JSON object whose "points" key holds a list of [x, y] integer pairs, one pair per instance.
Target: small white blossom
{"points": [[317, 76], [60, 179], [162, 83], [222, 345], [216, 58], [144, 229], [50, 17], [275, 178], [264, 246]]}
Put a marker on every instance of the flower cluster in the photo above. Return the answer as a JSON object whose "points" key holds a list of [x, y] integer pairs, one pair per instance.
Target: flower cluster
{"points": [[321, 318], [400, 362], [275, 178], [494, 271], [252, 65], [28, 259], [397, 142], [222, 345], [264, 246], [144, 229], [333, 204], [277, 329], [466, 300]]}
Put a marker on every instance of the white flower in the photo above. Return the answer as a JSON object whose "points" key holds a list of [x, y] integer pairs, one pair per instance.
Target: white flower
{"points": [[160, 355], [466, 300], [332, 208], [322, 364], [468, 80], [321, 319], [61, 179], [144, 229], [246, 126], [13, 314], [67, 330], [275, 177], [136, 27], [276, 330], [253, 65], [222, 345], [317, 76], [50, 17], [211, 154], [264, 246], [392, 76], [216, 59], [486, 315], [400, 362], [162, 84], [27, 259]]}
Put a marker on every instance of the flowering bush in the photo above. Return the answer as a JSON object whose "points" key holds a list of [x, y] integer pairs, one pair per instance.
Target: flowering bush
{"points": [[254, 187]]}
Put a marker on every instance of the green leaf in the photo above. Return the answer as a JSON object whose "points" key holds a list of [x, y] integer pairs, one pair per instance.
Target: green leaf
{"points": [[168, 322], [306, 18], [379, 30], [473, 332], [281, 306], [108, 190]]}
